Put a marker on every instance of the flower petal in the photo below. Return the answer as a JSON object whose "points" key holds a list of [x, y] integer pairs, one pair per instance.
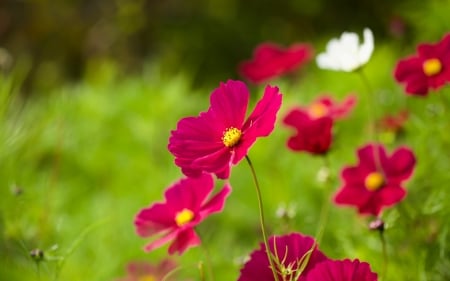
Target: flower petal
{"points": [[155, 219], [352, 195], [218, 163], [189, 193], [401, 164], [216, 203], [184, 240], [366, 49], [160, 241], [389, 195], [372, 156], [261, 121], [195, 137], [345, 54], [229, 104], [270, 61], [342, 270]]}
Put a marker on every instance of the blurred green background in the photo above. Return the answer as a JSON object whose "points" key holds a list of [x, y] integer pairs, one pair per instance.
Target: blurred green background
{"points": [[90, 90]]}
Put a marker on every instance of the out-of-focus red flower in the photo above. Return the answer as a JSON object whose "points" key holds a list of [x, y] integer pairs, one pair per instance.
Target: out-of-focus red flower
{"points": [[342, 270], [145, 271], [376, 181], [270, 61], [221, 136], [290, 252], [429, 69], [397, 26], [186, 205], [312, 135], [327, 106], [393, 123]]}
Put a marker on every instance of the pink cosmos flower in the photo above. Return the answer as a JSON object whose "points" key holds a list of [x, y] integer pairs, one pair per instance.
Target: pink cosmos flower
{"points": [[140, 271], [343, 270], [376, 181], [270, 61], [327, 106], [290, 251], [221, 136], [312, 135], [430, 68], [186, 205]]}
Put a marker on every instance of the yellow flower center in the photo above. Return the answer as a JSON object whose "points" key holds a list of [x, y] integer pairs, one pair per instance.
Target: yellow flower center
{"points": [[231, 136], [374, 181], [183, 217], [432, 67], [147, 278], [317, 110]]}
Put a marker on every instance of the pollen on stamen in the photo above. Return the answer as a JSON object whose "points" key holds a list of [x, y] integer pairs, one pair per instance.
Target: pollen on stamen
{"points": [[374, 181], [432, 67], [317, 110], [147, 278], [231, 136], [183, 217]]}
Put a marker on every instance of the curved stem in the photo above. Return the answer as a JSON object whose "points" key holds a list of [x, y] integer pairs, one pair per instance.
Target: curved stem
{"points": [[261, 219]]}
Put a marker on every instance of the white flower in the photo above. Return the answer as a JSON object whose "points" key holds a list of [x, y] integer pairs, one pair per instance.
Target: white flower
{"points": [[345, 53]]}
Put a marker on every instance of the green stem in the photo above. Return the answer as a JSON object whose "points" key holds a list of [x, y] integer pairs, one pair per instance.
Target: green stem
{"points": [[326, 205], [261, 219], [208, 261], [201, 271], [371, 103], [385, 255]]}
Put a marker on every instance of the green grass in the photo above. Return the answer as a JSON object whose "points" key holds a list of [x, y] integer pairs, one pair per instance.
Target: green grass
{"points": [[87, 157]]}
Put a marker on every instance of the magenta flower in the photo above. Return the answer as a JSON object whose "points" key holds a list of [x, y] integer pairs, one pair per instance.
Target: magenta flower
{"points": [[312, 135], [186, 205], [376, 181], [140, 271], [430, 68], [290, 251], [327, 106], [270, 61], [344, 270], [221, 136]]}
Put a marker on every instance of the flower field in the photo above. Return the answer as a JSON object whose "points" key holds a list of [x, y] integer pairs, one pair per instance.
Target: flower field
{"points": [[316, 161]]}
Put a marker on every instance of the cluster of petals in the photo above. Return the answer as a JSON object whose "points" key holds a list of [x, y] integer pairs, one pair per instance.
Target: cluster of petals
{"points": [[271, 60], [221, 136], [140, 271], [290, 252], [297, 258], [187, 203], [345, 53], [312, 135], [313, 124], [428, 69], [376, 181]]}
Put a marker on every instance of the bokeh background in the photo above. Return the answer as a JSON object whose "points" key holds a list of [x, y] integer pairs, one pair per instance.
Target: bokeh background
{"points": [[91, 89], [207, 38]]}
